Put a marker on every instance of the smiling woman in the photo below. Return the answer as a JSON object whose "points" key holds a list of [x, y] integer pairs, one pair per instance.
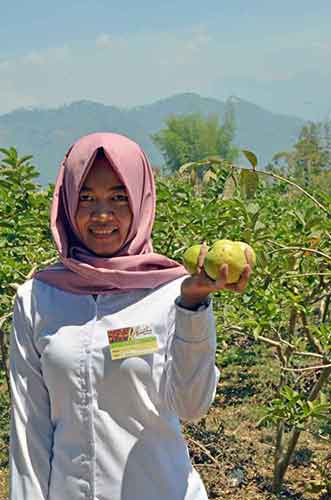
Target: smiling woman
{"points": [[95, 412], [103, 216]]}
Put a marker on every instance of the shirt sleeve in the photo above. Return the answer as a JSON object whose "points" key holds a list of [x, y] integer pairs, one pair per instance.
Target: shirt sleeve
{"points": [[191, 377], [31, 432]]}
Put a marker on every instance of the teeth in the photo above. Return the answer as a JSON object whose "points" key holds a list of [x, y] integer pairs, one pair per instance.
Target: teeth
{"points": [[102, 232]]}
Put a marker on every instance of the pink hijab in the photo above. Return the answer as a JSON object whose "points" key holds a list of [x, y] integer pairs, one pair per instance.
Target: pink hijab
{"points": [[135, 265]]}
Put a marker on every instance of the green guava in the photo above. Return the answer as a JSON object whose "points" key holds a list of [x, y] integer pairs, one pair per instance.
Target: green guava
{"points": [[251, 257], [231, 253], [190, 258]]}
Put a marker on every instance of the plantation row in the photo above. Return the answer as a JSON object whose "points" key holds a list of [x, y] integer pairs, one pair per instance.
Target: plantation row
{"points": [[286, 307]]}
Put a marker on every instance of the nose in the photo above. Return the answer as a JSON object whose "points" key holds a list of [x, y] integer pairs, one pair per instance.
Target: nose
{"points": [[102, 212], [102, 216]]}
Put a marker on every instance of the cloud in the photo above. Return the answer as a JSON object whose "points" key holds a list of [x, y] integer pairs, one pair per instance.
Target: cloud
{"points": [[104, 41], [324, 45], [35, 58], [4, 65], [143, 67], [16, 100], [199, 39]]}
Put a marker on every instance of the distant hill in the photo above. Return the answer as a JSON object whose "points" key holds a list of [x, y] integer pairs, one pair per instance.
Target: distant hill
{"points": [[47, 134]]}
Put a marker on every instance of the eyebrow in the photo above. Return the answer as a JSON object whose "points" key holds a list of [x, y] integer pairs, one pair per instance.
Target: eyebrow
{"points": [[119, 187]]}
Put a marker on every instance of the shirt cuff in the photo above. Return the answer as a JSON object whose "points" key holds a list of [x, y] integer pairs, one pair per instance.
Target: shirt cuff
{"points": [[197, 308], [196, 326]]}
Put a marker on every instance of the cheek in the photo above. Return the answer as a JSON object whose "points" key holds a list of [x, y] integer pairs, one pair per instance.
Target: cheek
{"points": [[82, 216], [129, 219]]}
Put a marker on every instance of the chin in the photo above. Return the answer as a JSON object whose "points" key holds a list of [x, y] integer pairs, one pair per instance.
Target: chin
{"points": [[101, 249], [105, 252]]}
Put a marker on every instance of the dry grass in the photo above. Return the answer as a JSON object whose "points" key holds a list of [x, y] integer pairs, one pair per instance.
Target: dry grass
{"points": [[4, 484], [235, 459]]}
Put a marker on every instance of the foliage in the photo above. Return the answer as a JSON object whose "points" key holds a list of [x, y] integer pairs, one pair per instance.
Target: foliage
{"points": [[286, 306], [310, 156], [294, 281], [24, 232], [193, 137], [292, 408]]}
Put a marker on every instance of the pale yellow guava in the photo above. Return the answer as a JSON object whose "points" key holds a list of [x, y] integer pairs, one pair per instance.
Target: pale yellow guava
{"points": [[231, 253]]}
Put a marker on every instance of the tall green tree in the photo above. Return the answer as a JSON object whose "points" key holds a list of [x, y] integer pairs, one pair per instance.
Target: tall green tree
{"points": [[310, 156], [193, 137]]}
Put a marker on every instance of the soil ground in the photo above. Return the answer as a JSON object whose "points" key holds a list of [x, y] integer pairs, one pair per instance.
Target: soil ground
{"points": [[233, 455]]}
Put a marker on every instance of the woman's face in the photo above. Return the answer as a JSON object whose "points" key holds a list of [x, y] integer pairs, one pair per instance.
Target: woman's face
{"points": [[103, 216]]}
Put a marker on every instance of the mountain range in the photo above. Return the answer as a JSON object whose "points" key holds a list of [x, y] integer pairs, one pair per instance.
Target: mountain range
{"points": [[48, 133]]}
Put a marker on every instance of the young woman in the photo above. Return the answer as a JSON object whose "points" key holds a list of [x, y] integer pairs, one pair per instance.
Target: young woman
{"points": [[111, 346]]}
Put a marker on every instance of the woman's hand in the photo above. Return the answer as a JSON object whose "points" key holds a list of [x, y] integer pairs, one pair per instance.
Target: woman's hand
{"points": [[196, 288]]}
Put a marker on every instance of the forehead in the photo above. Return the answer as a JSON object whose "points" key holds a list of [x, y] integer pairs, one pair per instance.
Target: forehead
{"points": [[101, 172]]}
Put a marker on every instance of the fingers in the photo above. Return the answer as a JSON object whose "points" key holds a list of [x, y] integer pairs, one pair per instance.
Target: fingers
{"points": [[249, 256], [242, 283], [247, 271], [202, 255], [224, 273], [221, 282]]}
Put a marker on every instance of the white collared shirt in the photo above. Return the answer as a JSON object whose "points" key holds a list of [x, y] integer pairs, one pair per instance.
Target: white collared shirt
{"points": [[84, 426]]}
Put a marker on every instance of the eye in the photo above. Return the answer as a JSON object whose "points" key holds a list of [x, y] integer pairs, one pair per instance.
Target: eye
{"points": [[85, 197], [120, 198]]}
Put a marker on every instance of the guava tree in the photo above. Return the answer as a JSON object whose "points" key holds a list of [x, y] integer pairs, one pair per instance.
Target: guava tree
{"points": [[286, 307], [24, 234], [289, 307]]}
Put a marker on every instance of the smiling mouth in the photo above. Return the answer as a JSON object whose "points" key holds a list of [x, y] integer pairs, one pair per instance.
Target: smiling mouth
{"points": [[103, 233]]}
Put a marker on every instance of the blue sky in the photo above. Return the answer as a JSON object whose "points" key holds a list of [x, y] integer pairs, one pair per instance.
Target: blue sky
{"points": [[275, 54]]}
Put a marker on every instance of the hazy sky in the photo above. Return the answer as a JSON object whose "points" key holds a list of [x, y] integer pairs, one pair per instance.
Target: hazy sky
{"points": [[275, 54]]}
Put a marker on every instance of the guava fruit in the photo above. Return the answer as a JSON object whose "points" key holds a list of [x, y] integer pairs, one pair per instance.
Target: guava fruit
{"points": [[190, 258], [251, 257], [231, 253]]}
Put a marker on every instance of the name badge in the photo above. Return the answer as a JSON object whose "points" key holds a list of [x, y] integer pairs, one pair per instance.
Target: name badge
{"points": [[132, 341]]}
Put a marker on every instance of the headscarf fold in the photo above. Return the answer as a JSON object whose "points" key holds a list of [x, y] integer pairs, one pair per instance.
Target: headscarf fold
{"points": [[135, 265]]}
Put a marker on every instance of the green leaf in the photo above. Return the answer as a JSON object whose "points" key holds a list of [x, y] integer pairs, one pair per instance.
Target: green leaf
{"points": [[257, 330], [249, 182], [184, 167], [208, 176], [315, 487], [259, 226], [24, 159], [250, 157], [311, 405], [247, 235], [5, 151], [193, 176], [323, 398], [262, 259], [216, 160], [253, 208], [229, 188], [193, 164]]}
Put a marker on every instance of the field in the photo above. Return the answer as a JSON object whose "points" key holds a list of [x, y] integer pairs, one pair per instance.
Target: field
{"points": [[233, 456], [269, 428]]}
